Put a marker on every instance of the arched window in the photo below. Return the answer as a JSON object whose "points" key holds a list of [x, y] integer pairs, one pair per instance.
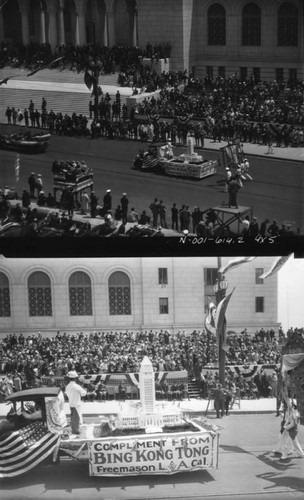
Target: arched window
{"points": [[80, 291], [216, 25], [5, 307], [39, 293], [251, 25], [288, 25], [119, 294]]}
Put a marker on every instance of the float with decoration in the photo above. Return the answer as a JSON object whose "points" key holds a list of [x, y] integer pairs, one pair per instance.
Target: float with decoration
{"points": [[145, 437]]}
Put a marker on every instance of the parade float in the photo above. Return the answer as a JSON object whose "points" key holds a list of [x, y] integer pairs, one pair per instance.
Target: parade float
{"points": [[24, 143], [161, 157], [73, 175], [145, 437]]}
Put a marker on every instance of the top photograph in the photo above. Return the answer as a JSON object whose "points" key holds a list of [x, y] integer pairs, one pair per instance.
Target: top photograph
{"points": [[149, 127]]}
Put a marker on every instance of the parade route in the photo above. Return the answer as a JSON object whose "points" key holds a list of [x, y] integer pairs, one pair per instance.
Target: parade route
{"points": [[248, 469]]}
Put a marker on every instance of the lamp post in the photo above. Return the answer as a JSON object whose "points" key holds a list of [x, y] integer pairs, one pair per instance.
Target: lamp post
{"points": [[219, 289]]}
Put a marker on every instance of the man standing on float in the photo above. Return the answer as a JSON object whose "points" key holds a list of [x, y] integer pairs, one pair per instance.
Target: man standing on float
{"points": [[75, 392]]}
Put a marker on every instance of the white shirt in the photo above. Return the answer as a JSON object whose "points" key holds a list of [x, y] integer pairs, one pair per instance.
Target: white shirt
{"points": [[74, 392]]}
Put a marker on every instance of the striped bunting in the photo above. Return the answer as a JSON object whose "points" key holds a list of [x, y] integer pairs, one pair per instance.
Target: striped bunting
{"points": [[149, 161], [25, 448]]}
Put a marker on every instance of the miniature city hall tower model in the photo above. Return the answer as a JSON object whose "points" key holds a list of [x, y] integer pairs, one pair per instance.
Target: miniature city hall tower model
{"points": [[148, 414], [147, 386]]}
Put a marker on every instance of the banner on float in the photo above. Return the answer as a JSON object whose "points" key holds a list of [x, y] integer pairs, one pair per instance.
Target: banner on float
{"points": [[157, 454]]}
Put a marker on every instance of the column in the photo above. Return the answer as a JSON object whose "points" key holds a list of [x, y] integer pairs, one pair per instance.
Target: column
{"points": [[24, 11], [52, 25], [77, 39], [105, 31], [111, 22], [132, 14], [134, 40], [80, 22], [42, 25], [61, 24]]}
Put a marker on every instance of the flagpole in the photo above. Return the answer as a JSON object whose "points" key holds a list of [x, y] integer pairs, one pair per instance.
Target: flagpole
{"points": [[220, 288]]}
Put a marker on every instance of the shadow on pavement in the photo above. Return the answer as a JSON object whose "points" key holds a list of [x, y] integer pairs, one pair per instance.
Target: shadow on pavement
{"points": [[279, 481]]}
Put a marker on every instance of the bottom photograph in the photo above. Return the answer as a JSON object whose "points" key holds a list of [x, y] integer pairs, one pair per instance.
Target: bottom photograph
{"points": [[184, 377]]}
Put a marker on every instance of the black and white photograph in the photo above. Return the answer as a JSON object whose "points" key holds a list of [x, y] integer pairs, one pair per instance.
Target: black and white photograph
{"points": [[151, 377], [151, 119], [151, 249]]}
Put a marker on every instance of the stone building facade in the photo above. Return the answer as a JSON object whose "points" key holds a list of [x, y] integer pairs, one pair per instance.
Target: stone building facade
{"points": [[130, 293], [215, 37]]}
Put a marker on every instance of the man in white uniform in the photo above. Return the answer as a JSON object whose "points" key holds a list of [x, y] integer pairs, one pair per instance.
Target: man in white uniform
{"points": [[75, 392]]}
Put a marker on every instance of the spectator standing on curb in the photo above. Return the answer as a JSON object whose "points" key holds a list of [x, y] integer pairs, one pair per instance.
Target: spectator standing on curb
{"points": [[8, 114], [124, 207], [154, 209], [94, 202], [32, 184], [38, 184], [162, 214], [43, 104], [107, 202], [174, 217], [26, 117], [219, 401], [74, 393]]}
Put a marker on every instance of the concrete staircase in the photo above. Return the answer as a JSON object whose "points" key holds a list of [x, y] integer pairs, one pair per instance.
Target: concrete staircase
{"points": [[64, 91], [193, 388]]}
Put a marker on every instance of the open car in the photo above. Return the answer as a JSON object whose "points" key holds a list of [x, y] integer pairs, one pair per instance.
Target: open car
{"points": [[31, 432], [23, 144]]}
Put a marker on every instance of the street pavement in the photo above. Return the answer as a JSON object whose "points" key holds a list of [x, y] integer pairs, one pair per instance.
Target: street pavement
{"points": [[247, 469]]}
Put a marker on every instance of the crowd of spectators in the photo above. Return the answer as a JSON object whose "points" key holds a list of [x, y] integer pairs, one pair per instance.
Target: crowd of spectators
{"points": [[31, 357], [232, 108], [26, 210], [75, 58], [227, 108]]}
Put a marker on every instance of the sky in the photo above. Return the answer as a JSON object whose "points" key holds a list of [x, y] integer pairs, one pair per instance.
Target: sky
{"points": [[291, 293]]}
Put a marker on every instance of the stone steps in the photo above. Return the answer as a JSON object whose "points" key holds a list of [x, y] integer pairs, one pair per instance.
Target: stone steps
{"points": [[193, 388], [64, 91]]}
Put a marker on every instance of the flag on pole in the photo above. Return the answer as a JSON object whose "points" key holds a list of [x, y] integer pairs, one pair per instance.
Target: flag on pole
{"points": [[276, 266], [210, 317], [17, 167], [220, 319], [25, 448], [234, 263]]}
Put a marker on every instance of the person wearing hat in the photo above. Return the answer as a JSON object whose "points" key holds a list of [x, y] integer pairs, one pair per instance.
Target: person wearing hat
{"points": [[94, 203], [254, 228], [32, 184], [124, 207], [219, 401], [38, 184], [74, 393], [107, 202]]}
